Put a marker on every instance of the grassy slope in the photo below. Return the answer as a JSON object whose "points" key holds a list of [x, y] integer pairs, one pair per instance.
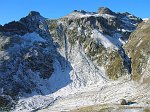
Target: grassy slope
{"points": [[138, 49]]}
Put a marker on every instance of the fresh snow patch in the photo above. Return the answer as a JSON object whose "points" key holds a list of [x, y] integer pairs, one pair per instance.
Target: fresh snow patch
{"points": [[33, 37], [87, 14], [105, 40], [65, 82], [111, 93], [146, 19]]}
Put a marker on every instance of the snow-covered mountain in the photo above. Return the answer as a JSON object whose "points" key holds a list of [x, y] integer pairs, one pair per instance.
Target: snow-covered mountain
{"points": [[65, 63]]}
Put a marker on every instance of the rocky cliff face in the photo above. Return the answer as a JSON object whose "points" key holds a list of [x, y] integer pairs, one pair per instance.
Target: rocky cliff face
{"points": [[27, 56], [99, 36], [138, 50], [39, 56]]}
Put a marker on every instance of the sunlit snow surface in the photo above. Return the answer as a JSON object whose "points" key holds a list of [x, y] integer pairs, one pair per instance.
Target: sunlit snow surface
{"points": [[146, 19], [32, 37], [70, 98], [105, 40], [87, 14], [85, 86]]}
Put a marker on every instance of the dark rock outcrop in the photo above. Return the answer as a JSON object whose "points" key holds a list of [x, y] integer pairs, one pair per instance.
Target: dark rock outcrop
{"points": [[34, 13], [123, 102], [6, 102], [14, 28]]}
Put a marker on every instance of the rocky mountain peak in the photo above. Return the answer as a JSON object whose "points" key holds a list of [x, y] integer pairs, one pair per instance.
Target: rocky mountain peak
{"points": [[34, 16], [34, 22], [25, 25], [105, 10], [34, 13]]}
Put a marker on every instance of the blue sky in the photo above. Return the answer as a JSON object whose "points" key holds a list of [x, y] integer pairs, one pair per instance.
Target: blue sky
{"points": [[15, 9]]}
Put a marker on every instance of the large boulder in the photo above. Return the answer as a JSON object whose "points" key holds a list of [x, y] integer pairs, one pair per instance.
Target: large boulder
{"points": [[123, 102]]}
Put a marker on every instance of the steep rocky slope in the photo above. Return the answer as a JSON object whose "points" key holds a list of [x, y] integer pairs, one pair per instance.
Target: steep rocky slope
{"points": [[138, 49], [27, 57], [43, 61], [99, 36]]}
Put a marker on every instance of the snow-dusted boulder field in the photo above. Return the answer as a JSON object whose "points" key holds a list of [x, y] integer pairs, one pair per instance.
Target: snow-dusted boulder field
{"points": [[84, 58]]}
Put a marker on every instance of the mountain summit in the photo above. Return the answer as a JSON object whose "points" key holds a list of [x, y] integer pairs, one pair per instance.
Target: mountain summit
{"points": [[105, 10], [34, 13]]}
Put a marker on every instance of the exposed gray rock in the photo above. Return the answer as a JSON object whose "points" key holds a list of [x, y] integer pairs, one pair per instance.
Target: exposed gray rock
{"points": [[105, 10]]}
